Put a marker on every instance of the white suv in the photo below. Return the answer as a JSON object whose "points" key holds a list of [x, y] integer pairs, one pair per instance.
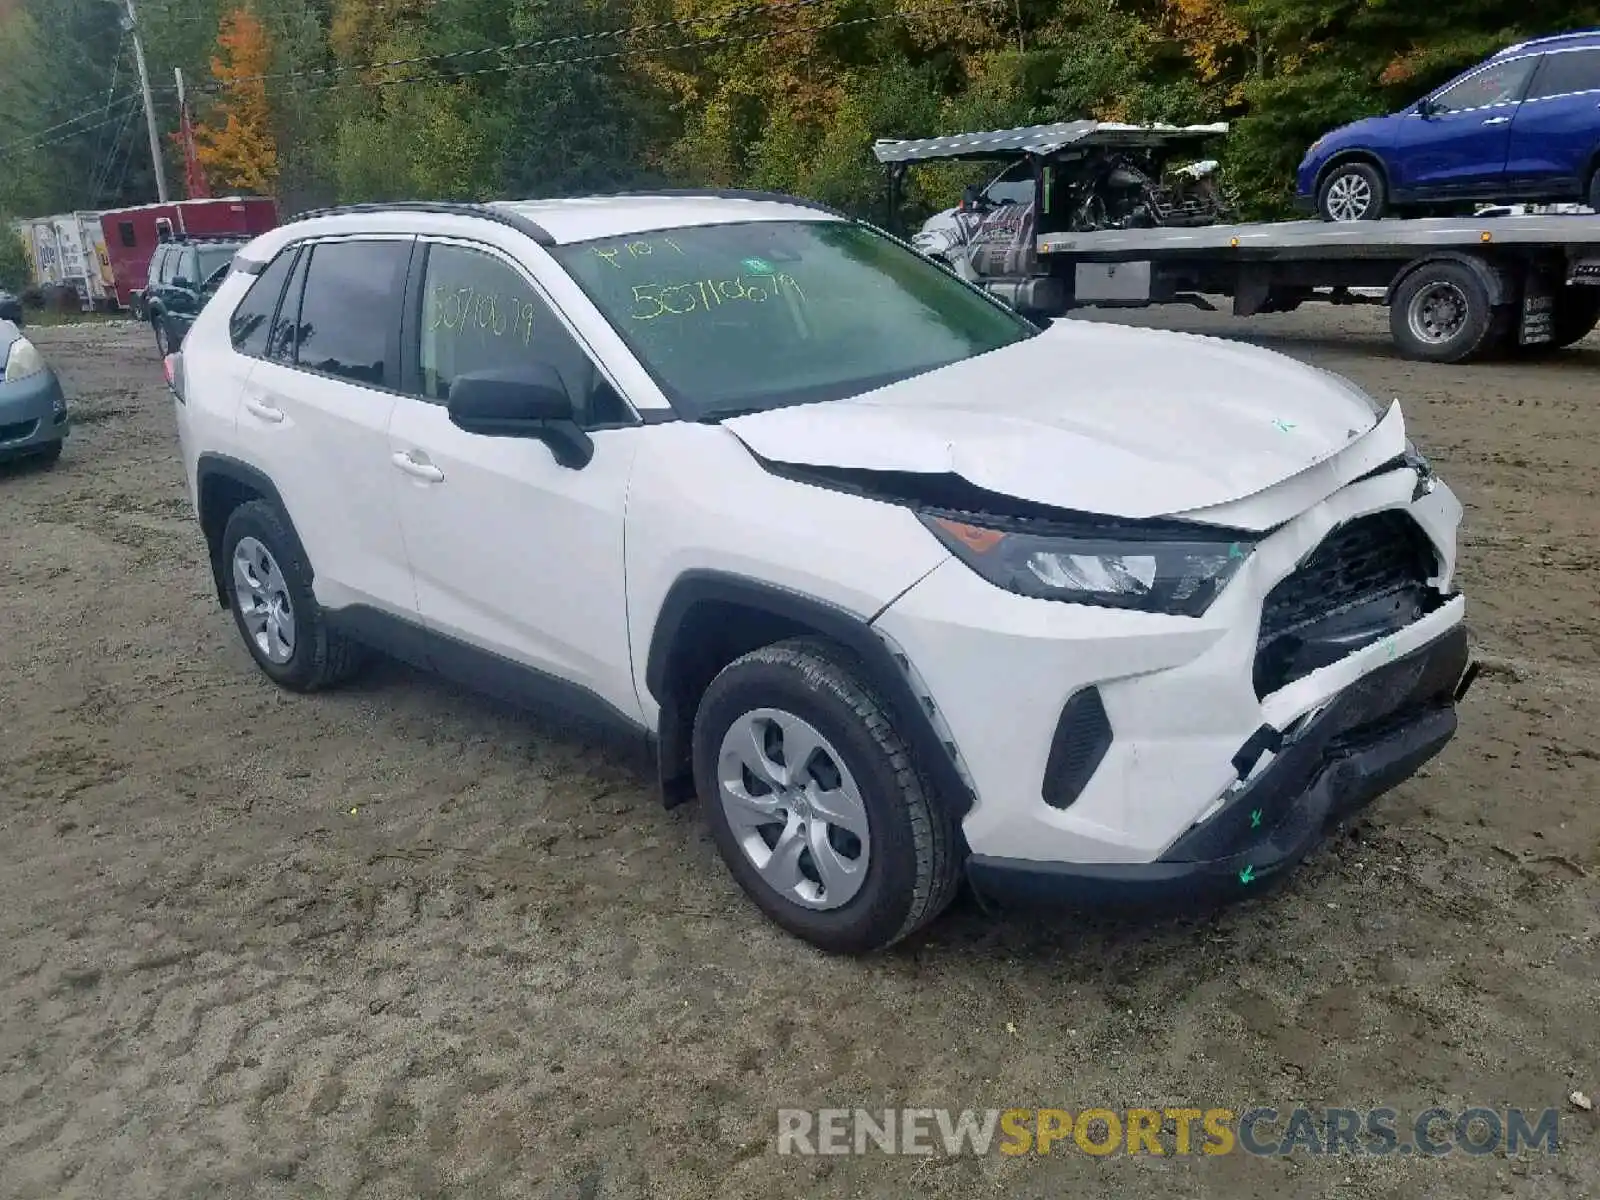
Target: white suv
{"points": [[905, 587]]}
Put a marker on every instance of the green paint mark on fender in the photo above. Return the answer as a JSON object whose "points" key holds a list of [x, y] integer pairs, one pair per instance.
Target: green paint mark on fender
{"points": [[1248, 875], [1283, 426], [1255, 819]]}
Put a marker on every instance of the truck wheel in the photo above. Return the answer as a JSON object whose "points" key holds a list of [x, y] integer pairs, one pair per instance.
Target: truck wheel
{"points": [[815, 803], [163, 342], [1441, 313], [1352, 192]]}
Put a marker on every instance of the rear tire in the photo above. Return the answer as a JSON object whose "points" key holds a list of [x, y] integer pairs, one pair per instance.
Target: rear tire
{"points": [[1352, 191], [872, 854], [1594, 191], [269, 591], [1441, 313]]}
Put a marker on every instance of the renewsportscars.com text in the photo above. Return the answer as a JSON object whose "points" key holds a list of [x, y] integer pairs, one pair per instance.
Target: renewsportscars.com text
{"points": [[1261, 1130]]}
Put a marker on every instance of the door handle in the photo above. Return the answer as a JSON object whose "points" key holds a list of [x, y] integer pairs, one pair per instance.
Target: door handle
{"points": [[265, 411], [1497, 120], [416, 469]]}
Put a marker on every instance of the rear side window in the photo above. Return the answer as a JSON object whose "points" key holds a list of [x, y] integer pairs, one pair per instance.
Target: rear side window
{"points": [[349, 320], [285, 326], [1566, 73], [251, 320]]}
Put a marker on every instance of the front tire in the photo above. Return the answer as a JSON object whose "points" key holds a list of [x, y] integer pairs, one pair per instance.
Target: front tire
{"points": [[269, 591], [163, 341], [815, 803], [1352, 191]]}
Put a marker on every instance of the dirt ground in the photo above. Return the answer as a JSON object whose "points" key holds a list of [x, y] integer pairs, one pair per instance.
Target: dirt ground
{"points": [[397, 941]]}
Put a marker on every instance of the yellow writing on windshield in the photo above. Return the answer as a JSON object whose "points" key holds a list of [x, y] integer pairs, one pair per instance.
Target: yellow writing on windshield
{"points": [[638, 248], [461, 310], [652, 300]]}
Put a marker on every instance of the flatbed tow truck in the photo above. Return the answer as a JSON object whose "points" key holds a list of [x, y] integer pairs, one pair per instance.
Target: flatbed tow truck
{"points": [[1457, 288]]}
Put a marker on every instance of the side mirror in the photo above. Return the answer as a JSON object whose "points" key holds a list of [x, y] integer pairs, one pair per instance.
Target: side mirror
{"points": [[1425, 107], [529, 401], [181, 282]]}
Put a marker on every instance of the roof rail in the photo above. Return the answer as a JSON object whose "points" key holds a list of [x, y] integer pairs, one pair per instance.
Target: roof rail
{"points": [[1549, 37], [737, 194], [486, 212]]}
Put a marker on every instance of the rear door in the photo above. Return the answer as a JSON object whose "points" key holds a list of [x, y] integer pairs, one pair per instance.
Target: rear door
{"points": [[316, 414], [1557, 128], [1460, 147]]}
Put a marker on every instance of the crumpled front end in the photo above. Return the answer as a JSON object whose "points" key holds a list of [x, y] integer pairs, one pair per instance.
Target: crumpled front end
{"points": [[1119, 742]]}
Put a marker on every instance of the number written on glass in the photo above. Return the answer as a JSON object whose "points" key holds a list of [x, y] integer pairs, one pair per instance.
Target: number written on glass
{"points": [[652, 300]]}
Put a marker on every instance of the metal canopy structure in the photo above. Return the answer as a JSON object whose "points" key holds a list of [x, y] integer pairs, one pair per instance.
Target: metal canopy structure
{"points": [[1037, 140]]}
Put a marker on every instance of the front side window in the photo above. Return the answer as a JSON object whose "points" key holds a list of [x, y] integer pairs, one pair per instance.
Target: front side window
{"points": [[762, 314], [169, 265], [248, 327], [480, 314], [1566, 73], [348, 325], [186, 268], [157, 261], [1499, 84]]}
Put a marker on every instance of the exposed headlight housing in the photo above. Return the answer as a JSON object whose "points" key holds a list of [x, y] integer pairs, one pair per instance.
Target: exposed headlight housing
{"points": [[1161, 573], [23, 360]]}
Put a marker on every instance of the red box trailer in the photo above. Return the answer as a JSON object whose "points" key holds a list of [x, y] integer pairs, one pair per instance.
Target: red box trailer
{"points": [[132, 234]]}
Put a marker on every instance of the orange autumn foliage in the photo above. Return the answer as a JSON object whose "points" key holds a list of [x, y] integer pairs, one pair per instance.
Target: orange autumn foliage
{"points": [[238, 148]]}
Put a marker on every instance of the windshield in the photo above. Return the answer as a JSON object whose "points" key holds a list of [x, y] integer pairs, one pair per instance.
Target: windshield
{"points": [[763, 314], [212, 257]]}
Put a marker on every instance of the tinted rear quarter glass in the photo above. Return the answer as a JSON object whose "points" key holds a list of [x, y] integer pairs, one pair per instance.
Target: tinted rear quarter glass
{"points": [[250, 321], [349, 324]]}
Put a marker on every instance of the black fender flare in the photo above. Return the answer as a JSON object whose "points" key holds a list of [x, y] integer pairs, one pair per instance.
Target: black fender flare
{"points": [[892, 679], [1500, 284], [213, 470]]}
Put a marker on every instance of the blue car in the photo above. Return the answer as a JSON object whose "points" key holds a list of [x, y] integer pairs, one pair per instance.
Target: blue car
{"points": [[1522, 126], [33, 412]]}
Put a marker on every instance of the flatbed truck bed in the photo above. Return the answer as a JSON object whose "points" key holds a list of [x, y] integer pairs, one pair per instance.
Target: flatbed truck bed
{"points": [[1457, 288]]}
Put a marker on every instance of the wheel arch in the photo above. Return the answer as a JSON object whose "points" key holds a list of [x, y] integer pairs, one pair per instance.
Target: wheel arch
{"points": [[1361, 154], [710, 618], [222, 485], [1497, 280]]}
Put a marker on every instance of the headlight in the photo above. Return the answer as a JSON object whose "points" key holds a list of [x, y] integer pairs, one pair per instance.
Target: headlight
{"points": [[23, 360], [1180, 576]]}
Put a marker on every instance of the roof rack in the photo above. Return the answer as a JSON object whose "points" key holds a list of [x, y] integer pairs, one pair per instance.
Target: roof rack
{"points": [[734, 194], [487, 212], [179, 238]]}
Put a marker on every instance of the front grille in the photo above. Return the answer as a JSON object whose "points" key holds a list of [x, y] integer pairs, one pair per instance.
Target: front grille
{"points": [[17, 430], [1368, 578]]}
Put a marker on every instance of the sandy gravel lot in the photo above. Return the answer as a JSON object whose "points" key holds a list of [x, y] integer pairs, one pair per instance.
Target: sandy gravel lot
{"points": [[400, 942]]}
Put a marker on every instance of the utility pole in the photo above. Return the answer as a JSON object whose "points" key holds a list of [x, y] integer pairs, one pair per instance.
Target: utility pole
{"points": [[149, 104]]}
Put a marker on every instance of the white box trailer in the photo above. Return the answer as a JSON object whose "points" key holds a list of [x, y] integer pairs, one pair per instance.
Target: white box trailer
{"points": [[1457, 288], [68, 250]]}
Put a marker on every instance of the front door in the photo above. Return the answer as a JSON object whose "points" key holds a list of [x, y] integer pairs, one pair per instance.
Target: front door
{"points": [[513, 554], [1460, 145]]}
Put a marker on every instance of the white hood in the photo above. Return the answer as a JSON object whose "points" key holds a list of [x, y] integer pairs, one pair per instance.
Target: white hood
{"points": [[1105, 419]]}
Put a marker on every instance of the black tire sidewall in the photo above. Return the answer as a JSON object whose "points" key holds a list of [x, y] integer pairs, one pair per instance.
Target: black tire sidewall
{"points": [[1374, 181], [877, 913], [163, 346], [261, 521], [1475, 332]]}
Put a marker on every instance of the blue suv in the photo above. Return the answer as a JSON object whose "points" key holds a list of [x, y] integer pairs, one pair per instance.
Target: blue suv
{"points": [[1524, 125]]}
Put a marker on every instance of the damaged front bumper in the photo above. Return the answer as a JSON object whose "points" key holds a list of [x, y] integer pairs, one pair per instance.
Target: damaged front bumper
{"points": [[1365, 740]]}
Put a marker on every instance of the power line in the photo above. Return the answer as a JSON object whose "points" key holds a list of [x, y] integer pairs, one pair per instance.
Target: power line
{"points": [[55, 141], [689, 45], [516, 47], [22, 144]]}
